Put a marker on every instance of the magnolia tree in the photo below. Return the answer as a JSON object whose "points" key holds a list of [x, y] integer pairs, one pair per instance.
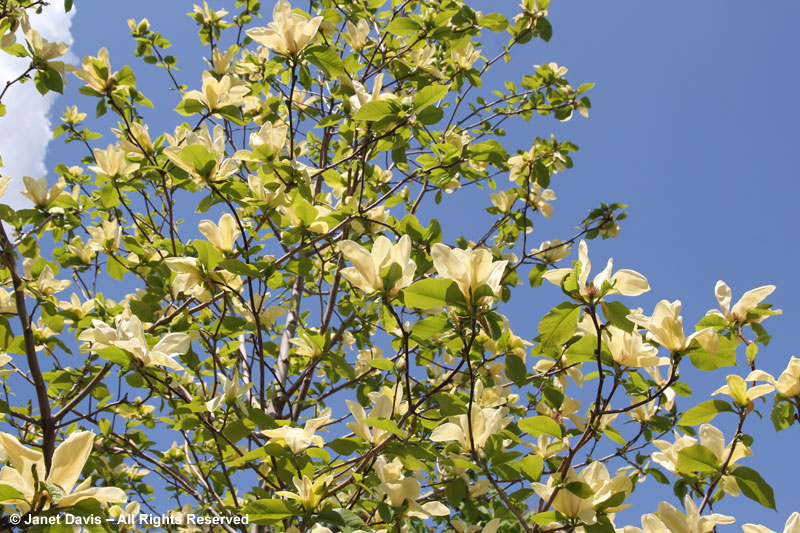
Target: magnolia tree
{"points": [[265, 287]]}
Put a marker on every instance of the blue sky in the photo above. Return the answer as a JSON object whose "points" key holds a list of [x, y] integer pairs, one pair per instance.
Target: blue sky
{"points": [[693, 124]]}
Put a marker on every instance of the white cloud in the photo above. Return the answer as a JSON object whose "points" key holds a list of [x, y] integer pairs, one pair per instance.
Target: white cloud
{"points": [[26, 130]]}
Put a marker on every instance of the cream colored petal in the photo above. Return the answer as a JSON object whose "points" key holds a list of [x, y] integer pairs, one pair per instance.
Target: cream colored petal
{"points": [[447, 432], [23, 459], [173, 344], [759, 390], [723, 294], [69, 458], [750, 300], [101, 494], [793, 524], [630, 283]]}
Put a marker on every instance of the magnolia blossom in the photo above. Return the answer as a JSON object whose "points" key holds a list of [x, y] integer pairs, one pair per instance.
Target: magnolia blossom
{"points": [[465, 56], [297, 439], [503, 200], [27, 466], [288, 33], [399, 489], [37, 191], [792, 526], [737, 389], [136, 140], [129, 335], [623, 282], [552, 251], [267, 143], [597, 478], [111, 162], [96, 72], [381, 409], [370, 265], [45, 283], [710, 437], [105, 238], [746, 303], [223, 236], [222, 63], [356, 35], [231, 391], [485, 423], [214, 145], [665, 327], [363, 96], [425, 59], [628, 349], [217, 94], [471, 269], [788, 382], [272, 197], [540, 198], [309, 493], [692, 522], [45, 50]]}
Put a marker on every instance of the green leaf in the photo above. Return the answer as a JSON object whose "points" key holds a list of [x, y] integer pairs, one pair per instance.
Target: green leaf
{"points": [[580, 489], [429, 95], [375, 111], [697, 458], [540, 425], [725, 356], [429, 327], [326, 58], [782, 415], [269, 511], [189, 107], [433, 292], [115, 355], [532, 466], [754, 487], [208, 253], [584, 349], [7, 492], [386, 425], [495, 22], [545, 518], [382, 364], [557, 326], [704, 412], [234, 266], [515, 370], [617, 314], [402, 26]]}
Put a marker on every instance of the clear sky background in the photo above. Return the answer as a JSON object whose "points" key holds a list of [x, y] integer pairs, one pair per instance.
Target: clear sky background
{"points": [[694, 125]]}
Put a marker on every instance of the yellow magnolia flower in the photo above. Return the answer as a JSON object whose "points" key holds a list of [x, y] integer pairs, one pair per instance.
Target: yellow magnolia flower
{"points": [[356, 35], [45, 283], [188, 278], [222, 236], [627, 349], [272, 197], [96, 72], [76, 307], [136, 140], [45, 50], [788, 382], [792, 526], [309, 493], [503, 200], [111, 162], [710, 437], [624, 282], [208, 15], [691, 522], [267, 143], [485, 423], [399, 489], [363, 96], [129, 335], [5, 358], [297, 439], [68, 460], [105, 238], [288, 33], [37, 191], [665, 327], [222, 63], [746, 303], [231, 391], [369, 265], [465, 56], [217, 94], [552, 251], [381, 409], [737, 389], [597, 478], [215, 146], [470, 269]]}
